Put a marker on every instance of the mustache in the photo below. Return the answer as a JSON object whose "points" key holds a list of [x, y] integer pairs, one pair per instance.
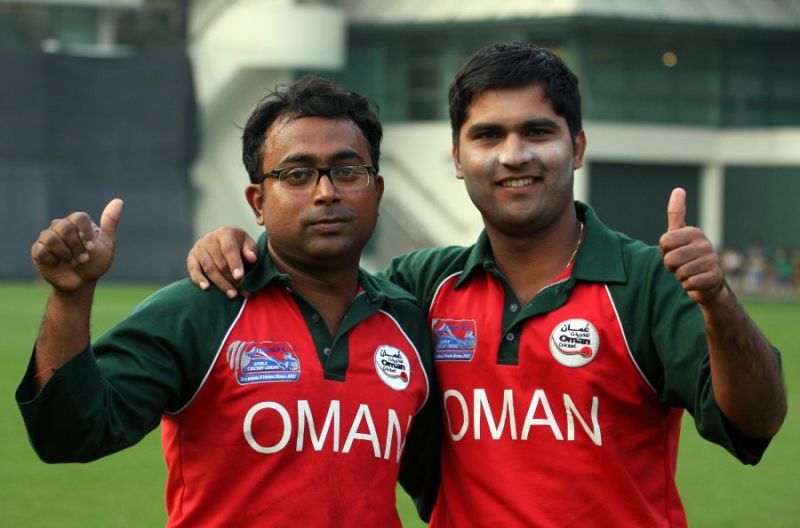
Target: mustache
{"points": [[331, 214]]}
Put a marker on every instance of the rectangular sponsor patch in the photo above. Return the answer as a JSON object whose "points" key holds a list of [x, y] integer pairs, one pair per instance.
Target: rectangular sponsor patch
{"points": [[454, 339]]}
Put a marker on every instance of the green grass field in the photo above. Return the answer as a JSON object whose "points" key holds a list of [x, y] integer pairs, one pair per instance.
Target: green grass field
{"points": [[126, 490]]}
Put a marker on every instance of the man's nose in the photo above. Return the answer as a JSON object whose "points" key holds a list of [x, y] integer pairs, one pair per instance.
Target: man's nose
{"points": [[325, 191], [515, 151]]}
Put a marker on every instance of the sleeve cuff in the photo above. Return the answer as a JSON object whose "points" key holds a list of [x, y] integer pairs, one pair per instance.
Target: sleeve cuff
{"points": [[26, 393]]}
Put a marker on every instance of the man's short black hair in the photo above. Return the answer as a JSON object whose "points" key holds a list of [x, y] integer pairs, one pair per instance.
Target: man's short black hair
{"points": [[516, 65], [309, 96]]}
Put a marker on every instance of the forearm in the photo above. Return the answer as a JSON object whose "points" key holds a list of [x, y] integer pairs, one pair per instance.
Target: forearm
{"points": [[745, 374], [64, 332]]}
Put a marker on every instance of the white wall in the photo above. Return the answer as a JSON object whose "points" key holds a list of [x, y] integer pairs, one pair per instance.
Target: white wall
{"points": [[239, 49], [418, 168]]}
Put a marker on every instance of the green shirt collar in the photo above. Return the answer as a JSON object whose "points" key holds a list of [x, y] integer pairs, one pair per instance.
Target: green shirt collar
{"points": [[599, 258], [263, 272]]}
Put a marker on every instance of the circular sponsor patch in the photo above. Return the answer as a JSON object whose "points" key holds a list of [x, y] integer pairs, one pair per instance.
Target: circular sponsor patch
{"points": [[574, 342], [392, 366]]}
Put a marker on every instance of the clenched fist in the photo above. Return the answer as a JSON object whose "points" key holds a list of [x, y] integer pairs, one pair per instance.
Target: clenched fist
{"points": [[74, 251]]}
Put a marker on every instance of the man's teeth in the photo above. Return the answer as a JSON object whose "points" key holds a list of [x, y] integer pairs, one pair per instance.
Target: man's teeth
{"points": [[517, 182]]}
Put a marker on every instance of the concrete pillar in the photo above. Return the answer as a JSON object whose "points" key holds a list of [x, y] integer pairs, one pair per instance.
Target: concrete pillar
{"points": [[712, 206], [107, 27], [582, 182]]}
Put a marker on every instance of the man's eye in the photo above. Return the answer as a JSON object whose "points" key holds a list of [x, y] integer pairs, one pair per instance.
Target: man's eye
{"points": [[488, 134], [347, 173], [297, 176], [537, 131]]}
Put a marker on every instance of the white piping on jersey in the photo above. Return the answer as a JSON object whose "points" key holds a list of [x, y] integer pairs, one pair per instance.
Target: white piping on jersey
{"points": [[419, 360], [439, 288], [625, 339], [213, 361]]}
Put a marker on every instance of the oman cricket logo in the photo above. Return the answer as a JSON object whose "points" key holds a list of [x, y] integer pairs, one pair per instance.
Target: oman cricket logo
{"points": [[574, 343], [392, 367]]}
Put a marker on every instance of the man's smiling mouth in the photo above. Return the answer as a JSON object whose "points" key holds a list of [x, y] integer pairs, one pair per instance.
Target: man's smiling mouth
{"points": [[517, 182]]}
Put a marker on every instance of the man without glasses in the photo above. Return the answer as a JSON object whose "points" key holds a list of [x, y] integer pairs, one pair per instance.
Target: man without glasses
{"points": [[290, 408], [565, 352]]}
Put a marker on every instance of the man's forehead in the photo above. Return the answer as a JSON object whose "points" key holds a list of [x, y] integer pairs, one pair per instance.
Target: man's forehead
{"points": [[310, 126], [509, 99], [314, 139]]}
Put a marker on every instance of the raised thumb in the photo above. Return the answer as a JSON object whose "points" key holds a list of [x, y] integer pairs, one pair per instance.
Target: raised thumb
{"points": [[676, 210], [110, 217]]}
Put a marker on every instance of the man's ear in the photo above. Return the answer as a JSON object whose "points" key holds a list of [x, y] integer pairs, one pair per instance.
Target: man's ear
{"points": [[379, 186], [579, 149], [254, 193], [456, 162]]}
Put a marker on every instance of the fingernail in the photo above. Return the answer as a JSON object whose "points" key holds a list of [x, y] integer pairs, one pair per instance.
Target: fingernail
{"points": [[204, 285], [83, 257], [237, 273], [89, 245], [231, 293]]}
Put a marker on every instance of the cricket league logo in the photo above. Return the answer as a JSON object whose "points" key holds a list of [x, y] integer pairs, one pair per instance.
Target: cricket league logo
{"points": [[574, 343], [257, 362], [455, 339], [392, 367]]}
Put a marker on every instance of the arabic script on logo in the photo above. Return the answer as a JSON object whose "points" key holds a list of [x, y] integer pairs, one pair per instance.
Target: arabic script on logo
{"points": [[574, 343]]}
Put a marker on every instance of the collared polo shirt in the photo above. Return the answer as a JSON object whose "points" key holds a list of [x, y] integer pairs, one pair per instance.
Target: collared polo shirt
{"points": [[267, 419], [565, 411]]}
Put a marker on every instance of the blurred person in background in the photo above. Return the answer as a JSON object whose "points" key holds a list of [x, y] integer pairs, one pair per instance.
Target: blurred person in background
{"points": [[756, 269], [732, 262], [784, 271]]}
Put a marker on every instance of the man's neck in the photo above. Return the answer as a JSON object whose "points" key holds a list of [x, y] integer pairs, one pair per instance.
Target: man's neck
{"points": [[531, 262], [329, 289]]}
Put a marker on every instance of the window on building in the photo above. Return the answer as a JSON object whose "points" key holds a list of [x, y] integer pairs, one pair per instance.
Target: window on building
{"points": [[684, 76]]}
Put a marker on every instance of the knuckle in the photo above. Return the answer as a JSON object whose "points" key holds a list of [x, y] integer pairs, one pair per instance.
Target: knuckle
{"points": [[78, 216]]}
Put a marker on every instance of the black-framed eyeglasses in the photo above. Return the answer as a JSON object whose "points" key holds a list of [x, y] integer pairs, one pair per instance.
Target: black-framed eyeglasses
{"points": [[343, 177]]}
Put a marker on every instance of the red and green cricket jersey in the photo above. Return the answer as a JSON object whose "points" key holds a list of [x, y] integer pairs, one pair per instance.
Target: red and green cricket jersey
{"points": [[268, 420], [565, 411]]}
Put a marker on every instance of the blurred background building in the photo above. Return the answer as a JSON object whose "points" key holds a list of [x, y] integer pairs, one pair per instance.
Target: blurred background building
{"points": [[143, 99]]}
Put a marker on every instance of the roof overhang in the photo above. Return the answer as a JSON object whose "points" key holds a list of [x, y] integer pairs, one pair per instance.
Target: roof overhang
{"points": [[762, 14]]}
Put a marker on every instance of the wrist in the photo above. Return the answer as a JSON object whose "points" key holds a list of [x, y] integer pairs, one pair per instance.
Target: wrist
{"points": [[80, 294]]}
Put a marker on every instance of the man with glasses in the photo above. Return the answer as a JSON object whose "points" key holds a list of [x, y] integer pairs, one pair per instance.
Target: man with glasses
{"points": [[566, 353], [289, 408]]}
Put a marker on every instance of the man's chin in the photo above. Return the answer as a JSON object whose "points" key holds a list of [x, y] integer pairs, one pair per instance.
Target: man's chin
{"points": [[333, 251]]}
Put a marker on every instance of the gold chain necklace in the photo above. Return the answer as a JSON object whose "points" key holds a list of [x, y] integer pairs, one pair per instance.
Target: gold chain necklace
{"points": [[578, 245]]}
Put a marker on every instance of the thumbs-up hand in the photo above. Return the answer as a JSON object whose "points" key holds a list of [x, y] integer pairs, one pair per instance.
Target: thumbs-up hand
{"points": [[689, 255], [74, 251]]}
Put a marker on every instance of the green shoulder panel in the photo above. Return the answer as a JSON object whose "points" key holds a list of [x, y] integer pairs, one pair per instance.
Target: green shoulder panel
{"points": [[420, 272], [114, 392], [666, 335]]}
